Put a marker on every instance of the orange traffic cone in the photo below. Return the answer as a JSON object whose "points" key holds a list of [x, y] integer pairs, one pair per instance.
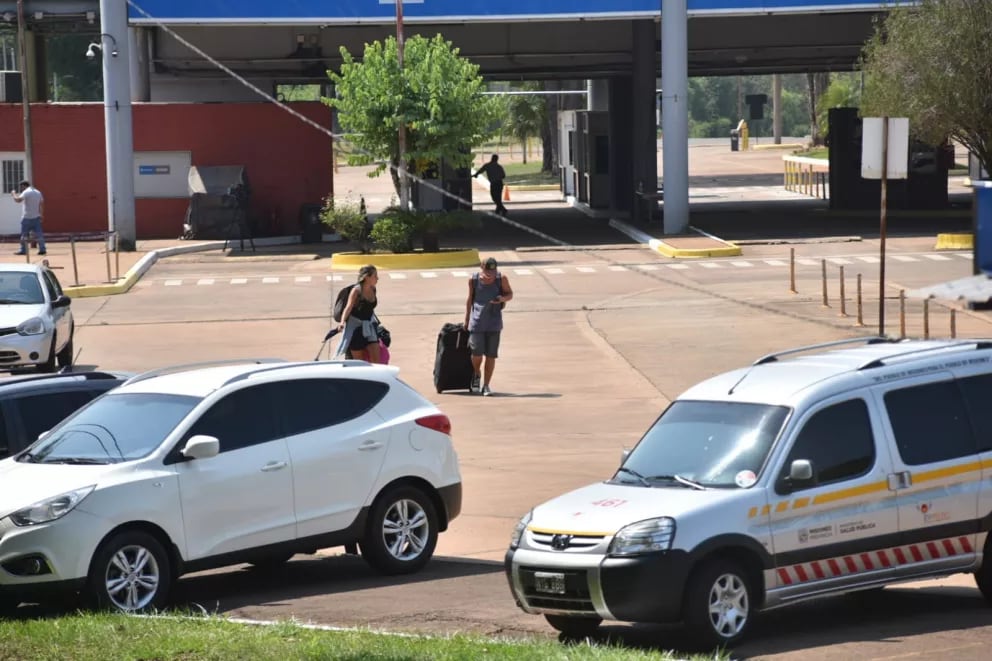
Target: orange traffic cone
{"points": [[506, 194]]}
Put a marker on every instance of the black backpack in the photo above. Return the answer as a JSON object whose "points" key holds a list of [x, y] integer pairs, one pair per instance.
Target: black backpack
{"points": [[341, 302]]}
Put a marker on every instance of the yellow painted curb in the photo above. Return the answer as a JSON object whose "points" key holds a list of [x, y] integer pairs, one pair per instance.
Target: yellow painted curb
{"points": [[524, 188], [731, 250], [108, 289], [413, 260], [955, 242]]}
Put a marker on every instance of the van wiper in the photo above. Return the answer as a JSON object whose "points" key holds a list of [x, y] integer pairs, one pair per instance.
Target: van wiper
{"points": [[631, 471], [681, 480]]}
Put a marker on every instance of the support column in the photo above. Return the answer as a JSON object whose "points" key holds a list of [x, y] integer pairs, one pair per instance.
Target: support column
{"points": [[117, 120], [141, 86], [675, 114], [621, 121], [644, 127], [598, 97], [777, 108]]}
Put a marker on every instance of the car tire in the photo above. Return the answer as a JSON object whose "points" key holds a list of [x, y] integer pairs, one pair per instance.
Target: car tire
{"points": [[983, 577], [574, 628], [717, 607], [271, 562], [64, 357], [131, 573], [401, 532], [49, 365]]}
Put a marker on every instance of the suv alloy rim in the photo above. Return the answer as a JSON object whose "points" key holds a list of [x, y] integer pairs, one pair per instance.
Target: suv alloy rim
{"points": [[405, 529], [132, 578]]}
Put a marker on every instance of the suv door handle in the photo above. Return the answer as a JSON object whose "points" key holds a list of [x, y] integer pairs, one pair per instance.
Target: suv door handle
{"points": [[274, 466], [369, 445]]}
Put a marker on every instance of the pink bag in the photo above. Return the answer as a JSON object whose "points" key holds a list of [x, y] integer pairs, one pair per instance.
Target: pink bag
{"points": [[383, 354]]}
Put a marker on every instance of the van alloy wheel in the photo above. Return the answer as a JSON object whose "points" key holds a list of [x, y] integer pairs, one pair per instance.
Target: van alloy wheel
{"points": [[718, 604], [401, 532]]}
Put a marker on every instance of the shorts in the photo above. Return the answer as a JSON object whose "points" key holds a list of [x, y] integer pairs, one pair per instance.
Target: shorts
{"points": [[484, 343]]}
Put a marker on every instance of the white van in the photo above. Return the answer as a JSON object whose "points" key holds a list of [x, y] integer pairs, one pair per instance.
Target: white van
{"points": [[827, 472]]}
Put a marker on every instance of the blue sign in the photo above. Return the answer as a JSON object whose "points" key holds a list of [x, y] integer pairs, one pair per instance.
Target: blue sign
{"points": [[154, 169], [384, 11]]}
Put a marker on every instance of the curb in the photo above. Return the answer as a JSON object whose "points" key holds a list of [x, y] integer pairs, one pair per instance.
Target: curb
{"points": [[723, 249], [415, 260], [955, 242]]}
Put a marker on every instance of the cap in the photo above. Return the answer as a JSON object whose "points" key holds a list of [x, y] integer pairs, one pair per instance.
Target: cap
{"points": [[490, 263]]}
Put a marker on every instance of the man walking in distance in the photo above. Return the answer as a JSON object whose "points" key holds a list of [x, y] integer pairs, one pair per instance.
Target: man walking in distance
{"points": [[488, 292], [34, 207], [496, 174]]}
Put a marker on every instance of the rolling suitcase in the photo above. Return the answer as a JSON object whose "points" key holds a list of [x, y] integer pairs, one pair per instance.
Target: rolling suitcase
{"points": [[453, 362]]}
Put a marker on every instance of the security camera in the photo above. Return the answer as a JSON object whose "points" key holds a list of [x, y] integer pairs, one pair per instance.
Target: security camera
{"points": [[91, 51]]}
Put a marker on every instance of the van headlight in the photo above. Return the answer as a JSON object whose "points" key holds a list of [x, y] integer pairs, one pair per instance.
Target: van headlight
{"points": [[50, 509], [33, 326], [518, 530], [644, 537]]}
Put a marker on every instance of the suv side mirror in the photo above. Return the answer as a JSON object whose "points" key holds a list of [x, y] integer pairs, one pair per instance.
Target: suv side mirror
{"points": [[201, 447]]}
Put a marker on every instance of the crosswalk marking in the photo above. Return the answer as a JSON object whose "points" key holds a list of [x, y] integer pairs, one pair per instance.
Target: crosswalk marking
{"points": [[745, 265], [459, 274], [585, 269], [870, 260], [397, 276], [808, 262], [677, 267], [428, 274], [938, 258], [173, 283], [205, 281], [239, 281], [964, 255], [647, 267], [554, 271], [523, 271], [270, 281], [303, 278], [774, 262], [711, 265], [839, 260], [617, 267], [904, 258]]}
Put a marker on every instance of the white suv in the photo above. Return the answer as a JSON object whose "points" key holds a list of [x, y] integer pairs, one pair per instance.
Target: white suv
{"points": [[185, 469], [809, 473]]}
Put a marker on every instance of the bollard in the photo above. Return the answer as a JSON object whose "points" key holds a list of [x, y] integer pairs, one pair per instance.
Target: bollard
{"points": [[843, 304], [926, 318], [861, 319], [117, 256], [75, 266], [106, 252], [823, 279], [792, 270], [902, 314], [954, 323]]}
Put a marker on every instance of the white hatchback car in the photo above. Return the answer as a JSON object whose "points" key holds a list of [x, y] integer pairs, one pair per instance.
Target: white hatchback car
{"points": [[36, 325], [184, 469]]}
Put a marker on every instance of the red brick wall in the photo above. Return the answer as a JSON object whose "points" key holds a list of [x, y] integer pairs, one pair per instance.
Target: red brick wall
{"points": [[288, 161]]}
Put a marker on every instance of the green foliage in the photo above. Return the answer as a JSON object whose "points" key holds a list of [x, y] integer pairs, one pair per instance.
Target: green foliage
{"points": [[393, 231], [525, 114], [930, 63], [713, 105], [844, 92], [396, 229], [348, 219], [438, 96], [73, 77]]}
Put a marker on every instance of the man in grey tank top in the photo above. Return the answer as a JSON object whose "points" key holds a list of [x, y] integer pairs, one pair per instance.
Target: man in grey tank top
{"points": [[488, 292]]}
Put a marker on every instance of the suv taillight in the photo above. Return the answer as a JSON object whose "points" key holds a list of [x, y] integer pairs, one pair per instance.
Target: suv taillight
{"points": [[437, 422]]}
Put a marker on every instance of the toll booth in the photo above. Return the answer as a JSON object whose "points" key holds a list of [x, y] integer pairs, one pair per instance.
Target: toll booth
{"points": [[924, 188], [566, 152], [592, 162], [455, 181]]}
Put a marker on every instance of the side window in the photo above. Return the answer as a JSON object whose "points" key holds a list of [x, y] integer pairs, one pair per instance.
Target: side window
{"points": [[930, 423], [977, 391], [837, 441], [52, 283], [309, 404], [41, 412], [241, 419]]}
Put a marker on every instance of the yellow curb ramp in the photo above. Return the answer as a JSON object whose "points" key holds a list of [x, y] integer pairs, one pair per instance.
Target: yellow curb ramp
{"points": [[693, 246], [951, 241], [414, 260]]}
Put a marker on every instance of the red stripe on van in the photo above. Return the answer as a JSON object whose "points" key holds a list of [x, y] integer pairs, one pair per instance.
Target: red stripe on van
{"points": [[783, 576], [965, 544], [818, 571], [900, 556], [801, 573], [852, 566], [866, 560], [834, 567], [915, 550]]}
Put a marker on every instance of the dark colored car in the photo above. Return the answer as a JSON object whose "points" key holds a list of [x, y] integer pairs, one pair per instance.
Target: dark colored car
{"points": [[33, 404]]}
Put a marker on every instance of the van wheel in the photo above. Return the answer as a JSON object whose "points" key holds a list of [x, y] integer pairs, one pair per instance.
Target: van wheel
{"points": [[983, 577], [130, 572], [401, 532], [718, 601], [574, 627]]}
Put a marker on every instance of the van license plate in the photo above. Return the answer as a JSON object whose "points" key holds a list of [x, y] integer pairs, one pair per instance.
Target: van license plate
{"points": [[550, 582]]}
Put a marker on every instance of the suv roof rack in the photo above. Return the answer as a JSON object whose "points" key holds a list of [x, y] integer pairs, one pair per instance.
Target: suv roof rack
{"points": [[87, 376], [175, 369], [973, 345], [343, 363], [772, 357]]}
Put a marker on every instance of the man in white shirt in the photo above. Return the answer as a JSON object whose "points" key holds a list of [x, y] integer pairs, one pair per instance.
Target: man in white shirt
{"points": [[34, 206]]}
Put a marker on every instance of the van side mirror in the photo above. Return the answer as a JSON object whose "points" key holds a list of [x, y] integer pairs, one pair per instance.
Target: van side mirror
{"points": [[201, 447], [800, 471]]}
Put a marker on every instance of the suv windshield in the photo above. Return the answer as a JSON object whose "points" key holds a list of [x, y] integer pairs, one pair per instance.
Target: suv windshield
{"points": [[707, 444], [115, 427]]}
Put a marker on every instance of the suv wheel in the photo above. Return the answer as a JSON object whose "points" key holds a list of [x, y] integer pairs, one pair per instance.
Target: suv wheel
{"points": [[574, 627], [718, 604], [401, 533], [49, 365], [65, 356], [130, 572]]}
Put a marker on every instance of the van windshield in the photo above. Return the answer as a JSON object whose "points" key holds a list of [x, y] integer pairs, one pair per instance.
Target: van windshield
{"points": [[712, 444]]}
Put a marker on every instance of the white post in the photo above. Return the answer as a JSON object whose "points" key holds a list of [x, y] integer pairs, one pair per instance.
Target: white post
{"points": [[115, 54], [675, 114]]}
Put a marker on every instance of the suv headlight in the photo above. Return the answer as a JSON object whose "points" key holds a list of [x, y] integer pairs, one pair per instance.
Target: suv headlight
{"points": [[50, 509], [644, 537], [33, 326], [518, 530]]}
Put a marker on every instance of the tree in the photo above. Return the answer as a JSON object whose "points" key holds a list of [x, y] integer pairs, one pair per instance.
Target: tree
{"points": [[931, 63], [438, 95], [844, 92], [525, 114]]}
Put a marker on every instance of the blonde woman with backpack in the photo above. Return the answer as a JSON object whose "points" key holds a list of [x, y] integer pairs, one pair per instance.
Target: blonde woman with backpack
{"points": [[358, 321]]}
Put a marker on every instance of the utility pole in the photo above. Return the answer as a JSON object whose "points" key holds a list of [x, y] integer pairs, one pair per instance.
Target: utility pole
{"points": [[404, 182], [25, 92]]}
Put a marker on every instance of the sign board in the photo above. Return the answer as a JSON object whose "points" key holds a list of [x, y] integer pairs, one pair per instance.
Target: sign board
{"points": [[897, 158], [159, 174], [301, 12]]}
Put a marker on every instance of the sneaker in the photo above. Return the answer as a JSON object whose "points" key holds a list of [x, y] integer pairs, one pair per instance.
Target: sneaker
{"points": [[474, 385], [486, 392], [20, 252], [42, 252]]}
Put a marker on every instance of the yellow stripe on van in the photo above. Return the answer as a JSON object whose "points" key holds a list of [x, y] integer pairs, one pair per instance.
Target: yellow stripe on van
{"points": [[574, 533], [853, 492], [799, 503], [782, 507], [766, 510], [950, 471], [753, 512]]}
